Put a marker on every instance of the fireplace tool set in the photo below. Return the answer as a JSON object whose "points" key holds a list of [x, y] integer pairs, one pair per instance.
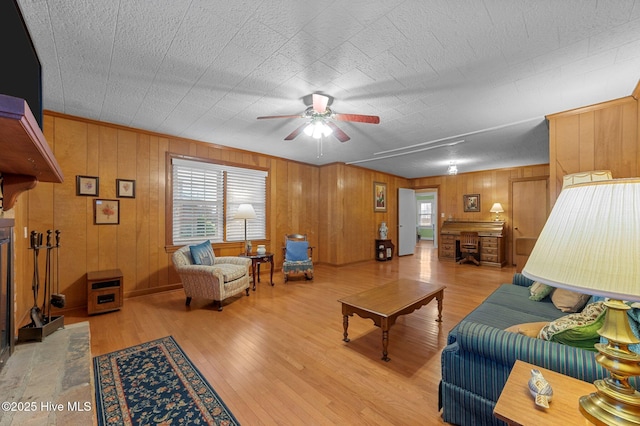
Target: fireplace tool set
{"points": [[42, 322]]}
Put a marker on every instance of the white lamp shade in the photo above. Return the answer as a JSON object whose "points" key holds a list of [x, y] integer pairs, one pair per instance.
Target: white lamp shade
{"points": [[245, 211], [496, 208], [591, 241], [584, 177]]}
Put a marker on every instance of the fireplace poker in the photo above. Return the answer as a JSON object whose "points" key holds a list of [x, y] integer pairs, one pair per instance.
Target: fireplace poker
{"points": [[57, 299], [36, 314], [46, 307]]}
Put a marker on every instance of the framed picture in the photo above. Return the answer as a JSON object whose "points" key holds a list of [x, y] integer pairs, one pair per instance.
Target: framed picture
{"points": [[125, 188], [379, 197], [471, 202], [106, 212], [87, 185]]}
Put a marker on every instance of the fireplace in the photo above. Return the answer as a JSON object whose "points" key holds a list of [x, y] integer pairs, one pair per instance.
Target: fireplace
{"points": [[7, 326]]}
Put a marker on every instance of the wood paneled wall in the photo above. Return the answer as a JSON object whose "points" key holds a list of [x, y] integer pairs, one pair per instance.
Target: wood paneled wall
{"points": [[349, 225], [137, 245], [493, 186], [598, 137], [333, 204]]}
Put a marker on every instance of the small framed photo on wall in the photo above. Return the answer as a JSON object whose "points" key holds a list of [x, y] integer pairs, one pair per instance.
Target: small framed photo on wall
{"points": [[125, 188], [471, 202], [379, 197], [106, 212], [87, 185]]}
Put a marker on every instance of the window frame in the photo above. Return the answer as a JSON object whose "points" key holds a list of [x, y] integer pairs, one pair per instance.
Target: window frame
{"points": [[169, 243], [420, 214]]}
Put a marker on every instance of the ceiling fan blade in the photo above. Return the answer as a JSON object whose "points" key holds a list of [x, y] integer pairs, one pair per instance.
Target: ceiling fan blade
{"points": [[337, 132], [320, 103], [296, 132], [373, 119], [280, 116]]}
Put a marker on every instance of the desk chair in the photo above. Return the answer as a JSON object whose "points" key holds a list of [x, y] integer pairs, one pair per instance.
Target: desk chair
{"points": [[469, 247]]}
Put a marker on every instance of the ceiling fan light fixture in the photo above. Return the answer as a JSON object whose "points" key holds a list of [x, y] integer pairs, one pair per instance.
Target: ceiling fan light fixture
{"points": [[317, 129], [326, 130], [309, 129]]}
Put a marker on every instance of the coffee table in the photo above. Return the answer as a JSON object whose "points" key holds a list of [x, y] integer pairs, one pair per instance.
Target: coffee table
{"points": [[385, 303]]}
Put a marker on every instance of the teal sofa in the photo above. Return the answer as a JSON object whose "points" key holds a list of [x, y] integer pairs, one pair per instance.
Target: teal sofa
{"points": [[480, 355]]}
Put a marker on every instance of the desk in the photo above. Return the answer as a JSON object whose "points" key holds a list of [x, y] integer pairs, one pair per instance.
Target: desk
{"points": [[256, 260], [517, 407], [492, 236]]}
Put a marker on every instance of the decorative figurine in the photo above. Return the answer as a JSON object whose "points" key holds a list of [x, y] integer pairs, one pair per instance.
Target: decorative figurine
{"points": [[383, 231], [540, 389]]}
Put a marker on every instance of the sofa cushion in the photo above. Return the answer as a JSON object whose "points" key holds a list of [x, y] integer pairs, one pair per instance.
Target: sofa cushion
{"points": [[202, 253], [569, 301], [231, 272], [539, 291], [577, 329], [509, 305]]}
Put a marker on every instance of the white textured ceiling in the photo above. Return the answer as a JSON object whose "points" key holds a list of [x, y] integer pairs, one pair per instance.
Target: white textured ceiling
{"points": [[436, 72]]}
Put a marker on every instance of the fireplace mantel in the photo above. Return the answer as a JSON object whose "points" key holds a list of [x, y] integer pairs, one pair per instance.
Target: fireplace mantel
{"points": [[26, 157]]}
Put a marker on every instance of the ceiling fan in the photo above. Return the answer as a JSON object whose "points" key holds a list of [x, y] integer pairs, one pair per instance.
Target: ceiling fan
{"points": [[319, 120]]}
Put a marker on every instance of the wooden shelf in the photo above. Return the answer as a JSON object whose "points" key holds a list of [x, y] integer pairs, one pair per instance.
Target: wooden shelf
{"points": [[26, 157]]}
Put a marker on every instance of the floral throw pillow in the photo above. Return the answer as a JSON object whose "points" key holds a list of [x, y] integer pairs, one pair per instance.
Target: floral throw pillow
{"points": [[577, 329]]}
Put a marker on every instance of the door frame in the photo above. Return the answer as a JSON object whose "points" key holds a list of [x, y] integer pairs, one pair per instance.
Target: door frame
{"points": [[437, 218]]}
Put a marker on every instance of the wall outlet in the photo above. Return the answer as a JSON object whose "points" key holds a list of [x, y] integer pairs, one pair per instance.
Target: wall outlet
{"points": [[441, 214]]}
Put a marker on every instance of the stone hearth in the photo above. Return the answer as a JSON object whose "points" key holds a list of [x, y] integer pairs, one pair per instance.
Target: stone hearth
{"points": [[50, 382]]}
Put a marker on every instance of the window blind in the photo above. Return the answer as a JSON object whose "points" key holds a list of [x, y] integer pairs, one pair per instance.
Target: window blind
{"points": [[246, 186], [201, 191]]}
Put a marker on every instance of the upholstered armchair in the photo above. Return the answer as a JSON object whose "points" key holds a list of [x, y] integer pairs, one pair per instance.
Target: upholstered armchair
{"points": [[226, 277], [297, 256]]}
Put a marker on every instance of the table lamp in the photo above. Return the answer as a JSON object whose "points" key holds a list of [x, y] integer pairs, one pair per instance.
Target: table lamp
{"points": [[591, 244], [245, 211], [497, 209]]}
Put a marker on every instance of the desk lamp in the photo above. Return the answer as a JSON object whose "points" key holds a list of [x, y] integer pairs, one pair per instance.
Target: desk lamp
{"points": [[245, 211], [497, 209], [591, 244]]}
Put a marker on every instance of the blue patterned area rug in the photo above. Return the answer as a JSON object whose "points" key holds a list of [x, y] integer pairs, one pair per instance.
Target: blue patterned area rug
{"points": [[155, 383]]}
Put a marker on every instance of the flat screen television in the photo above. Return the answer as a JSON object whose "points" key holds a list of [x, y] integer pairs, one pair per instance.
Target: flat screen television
{"points": [[21, 72]]}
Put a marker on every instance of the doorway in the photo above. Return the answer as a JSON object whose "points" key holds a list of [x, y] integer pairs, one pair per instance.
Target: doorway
{"points": [[419, 220], [427, 209]]}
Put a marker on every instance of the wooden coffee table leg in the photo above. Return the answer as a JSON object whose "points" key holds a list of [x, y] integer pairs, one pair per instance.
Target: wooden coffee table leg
{"points": [[439, 298], [345, 324], [385, 344]]}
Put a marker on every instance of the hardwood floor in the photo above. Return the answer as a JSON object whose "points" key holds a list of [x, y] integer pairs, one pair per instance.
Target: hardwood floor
{"points": [[277, 356]]}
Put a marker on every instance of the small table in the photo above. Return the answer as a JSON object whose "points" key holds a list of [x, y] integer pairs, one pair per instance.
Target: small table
{"points": [[517, 407], [256, 260], [384, 304]]}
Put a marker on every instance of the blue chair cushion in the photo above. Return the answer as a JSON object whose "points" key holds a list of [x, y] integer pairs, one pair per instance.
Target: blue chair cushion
{"points": [[296, 251], [202, 254]]}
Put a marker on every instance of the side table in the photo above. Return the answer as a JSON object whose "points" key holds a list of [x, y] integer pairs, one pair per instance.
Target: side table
{"points": [[256, 260], [517, 407], [384, 250]]}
